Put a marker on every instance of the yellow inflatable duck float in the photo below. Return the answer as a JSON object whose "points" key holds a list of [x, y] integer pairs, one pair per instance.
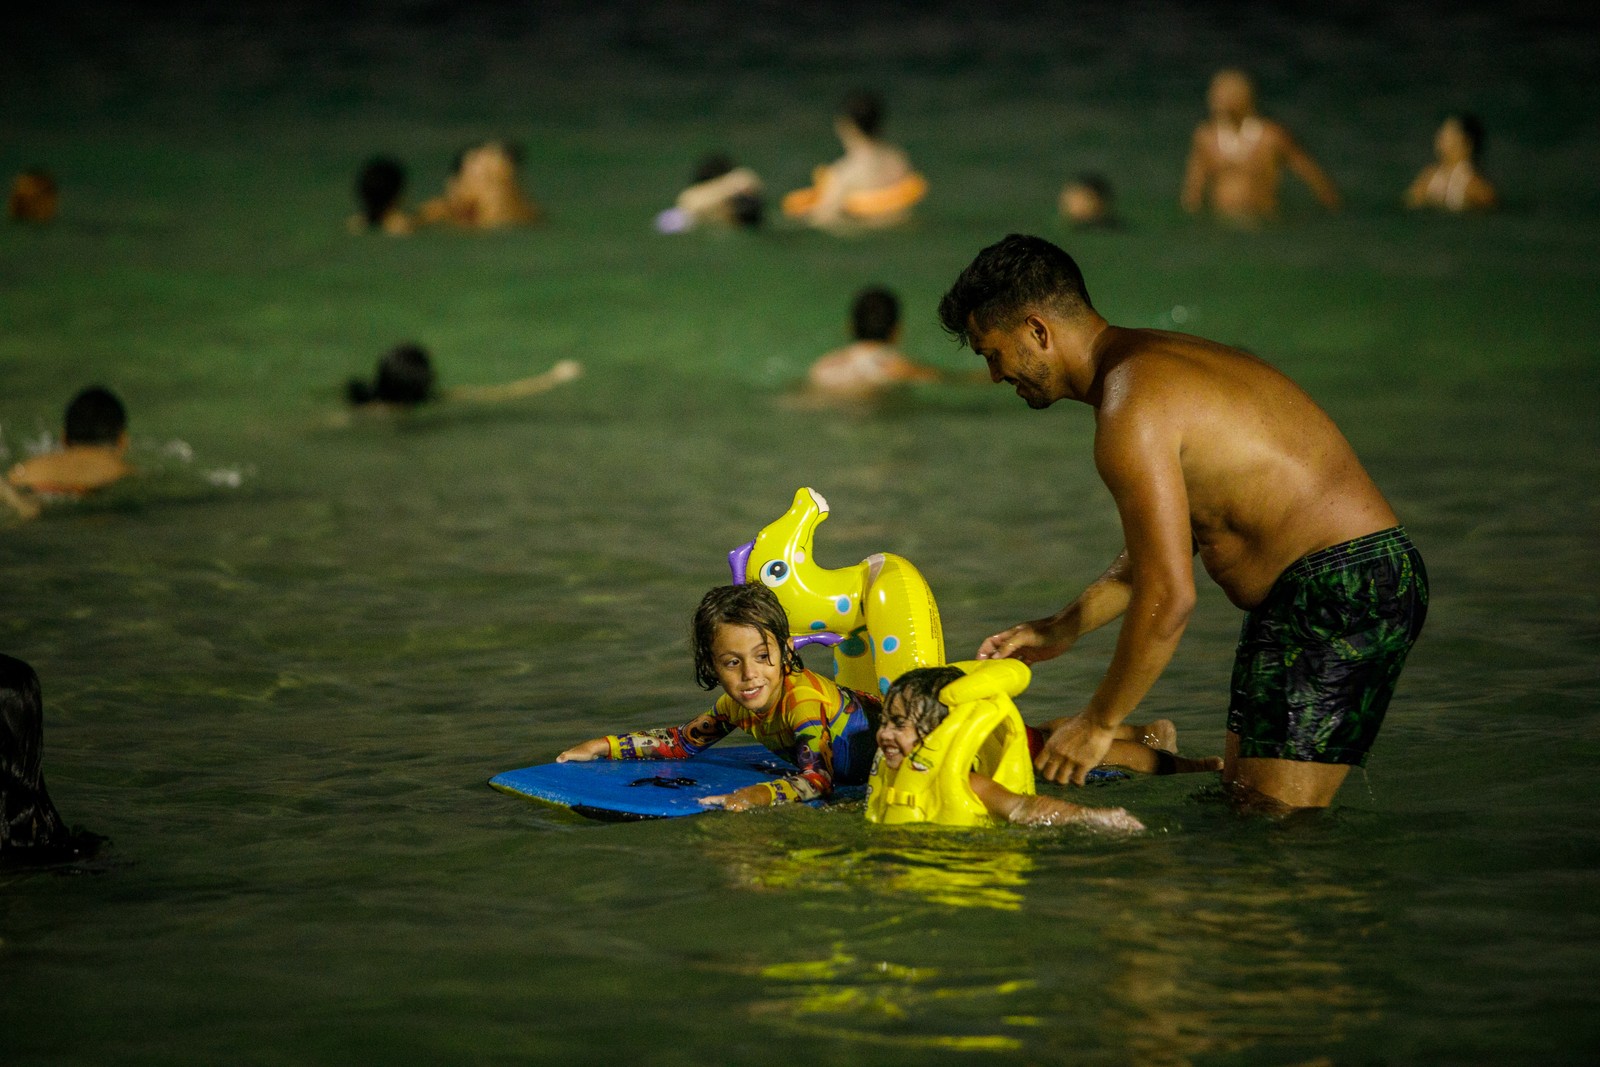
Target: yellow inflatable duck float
{"points": [[879, 615]]}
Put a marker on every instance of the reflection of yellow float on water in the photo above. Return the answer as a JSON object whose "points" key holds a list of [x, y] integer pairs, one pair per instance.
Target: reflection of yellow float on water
{"points": [[878, 615], [982, 732]]}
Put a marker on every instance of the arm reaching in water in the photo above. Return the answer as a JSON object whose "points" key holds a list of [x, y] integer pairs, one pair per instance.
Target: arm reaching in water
{"points": [[564, 371], [25, 506], [1048, 811], [1105, 599]]}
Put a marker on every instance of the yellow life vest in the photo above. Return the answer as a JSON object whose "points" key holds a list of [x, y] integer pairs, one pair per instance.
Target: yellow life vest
{"points": [[983, 732]]}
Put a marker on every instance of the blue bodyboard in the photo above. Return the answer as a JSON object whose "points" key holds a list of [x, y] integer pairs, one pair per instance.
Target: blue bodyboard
{"points": [[628, 790], [650, 788]]}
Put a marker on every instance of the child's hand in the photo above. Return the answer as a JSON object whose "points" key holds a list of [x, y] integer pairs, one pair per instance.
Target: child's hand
{"points": [[729, 801], [597, 748]]}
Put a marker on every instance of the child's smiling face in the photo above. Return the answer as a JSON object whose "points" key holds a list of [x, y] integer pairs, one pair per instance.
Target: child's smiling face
{"points": [[748, 665], [897, 734]]}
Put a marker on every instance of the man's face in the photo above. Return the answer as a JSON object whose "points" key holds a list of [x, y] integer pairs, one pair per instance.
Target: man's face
{"points": [[1014, 357]]}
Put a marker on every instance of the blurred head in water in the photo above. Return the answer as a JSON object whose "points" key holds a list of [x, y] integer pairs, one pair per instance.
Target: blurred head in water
{"points": [[34, 197], [863, 110], [378, 188], [1460, 138], [1086, 200], [711, 166], [405, 376], [29, 822], [875, 315], [95, 417], [1231, 96]]}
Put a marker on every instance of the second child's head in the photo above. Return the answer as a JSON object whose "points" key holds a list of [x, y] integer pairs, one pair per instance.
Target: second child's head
{"points": [[95, 417], [875, 315], [912, 710], [741, 642]]}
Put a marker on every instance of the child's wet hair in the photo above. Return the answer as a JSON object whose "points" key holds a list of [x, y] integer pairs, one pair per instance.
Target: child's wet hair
{"points": [[95, 417], [918, 692], [750, 604]]}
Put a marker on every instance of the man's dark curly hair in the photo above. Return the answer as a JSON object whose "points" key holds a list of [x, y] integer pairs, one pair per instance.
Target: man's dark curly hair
{"points": [[1009, 280]]}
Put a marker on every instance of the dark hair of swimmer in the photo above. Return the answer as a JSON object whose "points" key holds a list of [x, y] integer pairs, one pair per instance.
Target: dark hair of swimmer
{"points": [[865, 109], [95, 417], [378, 188], [1008, 281], [917, 693], [711, 166], [1472, 129], [31, 829], [750, 604], [875, 314], [405, 376], [746, 209], [1096, 183]]}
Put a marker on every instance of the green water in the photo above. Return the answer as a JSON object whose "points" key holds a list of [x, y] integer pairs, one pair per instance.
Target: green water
{"points": [[280, 667]]}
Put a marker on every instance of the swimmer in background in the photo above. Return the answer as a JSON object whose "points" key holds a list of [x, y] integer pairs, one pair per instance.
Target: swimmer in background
{"points": [[871, 185], [379, 188], [1453, 182], [1089, 204], [94, 444], [1237, 156], [405, 379], [32, 832], [34, 197], [912, 710], [872, 362], [720, 194], [482, 192], [741, 642]]}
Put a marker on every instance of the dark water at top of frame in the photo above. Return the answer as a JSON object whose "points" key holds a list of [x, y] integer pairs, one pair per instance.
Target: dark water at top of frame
{"points": [[280, 666]]}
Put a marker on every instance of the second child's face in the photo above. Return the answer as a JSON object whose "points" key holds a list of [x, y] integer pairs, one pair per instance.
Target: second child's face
{"points": [[748, 666], [897, 736]]}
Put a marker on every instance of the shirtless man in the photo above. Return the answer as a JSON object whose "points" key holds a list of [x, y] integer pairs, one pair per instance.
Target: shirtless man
{"points": [[872, 184], [94, 444], [872, 362], [1206, 450], [1240, 157]]}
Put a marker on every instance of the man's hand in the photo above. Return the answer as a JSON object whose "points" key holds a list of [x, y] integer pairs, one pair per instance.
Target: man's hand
{"points": [[1075, 748], [1031, 642]]}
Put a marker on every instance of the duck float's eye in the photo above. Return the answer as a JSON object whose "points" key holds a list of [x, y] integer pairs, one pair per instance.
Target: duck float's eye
{"points": [[774, 573]]}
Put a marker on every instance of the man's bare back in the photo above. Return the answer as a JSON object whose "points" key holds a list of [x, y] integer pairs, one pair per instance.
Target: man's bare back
{"points": [[1268, 476]]}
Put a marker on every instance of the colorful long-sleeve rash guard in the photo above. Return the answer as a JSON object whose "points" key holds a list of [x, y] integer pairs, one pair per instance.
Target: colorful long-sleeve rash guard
{"points": [[810, 711]]}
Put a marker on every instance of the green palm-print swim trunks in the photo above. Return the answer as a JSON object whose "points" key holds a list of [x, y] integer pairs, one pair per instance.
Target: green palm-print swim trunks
{"points": [[1318, 659]]}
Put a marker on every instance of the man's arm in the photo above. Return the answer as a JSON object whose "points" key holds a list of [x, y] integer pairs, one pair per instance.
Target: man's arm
{"points": [[1137, 452], [1306, 168], [1042, 639], [1195, 173]]}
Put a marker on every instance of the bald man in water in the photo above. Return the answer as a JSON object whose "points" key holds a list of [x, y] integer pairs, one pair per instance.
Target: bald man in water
{"points": [[1206, 450], [1238, 157]]}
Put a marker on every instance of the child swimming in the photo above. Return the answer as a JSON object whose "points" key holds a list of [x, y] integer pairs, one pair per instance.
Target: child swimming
{"points": [[741, 642], [921, 700], [94, 443]]}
